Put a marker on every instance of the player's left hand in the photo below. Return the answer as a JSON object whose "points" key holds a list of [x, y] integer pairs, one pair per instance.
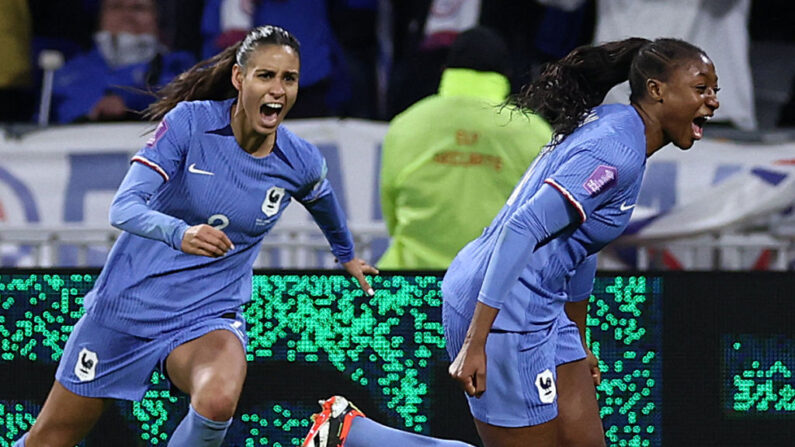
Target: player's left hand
{"points": [[593, 365], [358, 268]]}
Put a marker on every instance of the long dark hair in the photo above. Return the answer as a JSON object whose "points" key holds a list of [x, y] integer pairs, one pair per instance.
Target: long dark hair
{"points": [[569, 88], [211, 78]]}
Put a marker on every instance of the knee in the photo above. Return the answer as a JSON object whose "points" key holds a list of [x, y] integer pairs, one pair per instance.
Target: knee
{"points": [[217, 403]]}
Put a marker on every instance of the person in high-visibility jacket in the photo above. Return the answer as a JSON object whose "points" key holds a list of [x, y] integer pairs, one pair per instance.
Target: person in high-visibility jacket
{"points": [[452, 159]]}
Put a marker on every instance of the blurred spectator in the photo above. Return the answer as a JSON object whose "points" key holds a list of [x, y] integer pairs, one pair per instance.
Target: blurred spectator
{"points": [[538, 31], [16, 96], [324, 83], [180, 25], [51, 31], [108, 83], [354, 23], [451, 160], [720, 27], [535, 32], [423, 31]]}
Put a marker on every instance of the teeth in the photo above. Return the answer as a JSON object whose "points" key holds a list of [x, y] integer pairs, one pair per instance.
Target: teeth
{"points": [[274, 105]]}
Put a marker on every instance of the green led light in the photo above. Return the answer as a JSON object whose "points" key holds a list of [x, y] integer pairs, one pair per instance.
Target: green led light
{"points": [[387, 345], [758, 375]]}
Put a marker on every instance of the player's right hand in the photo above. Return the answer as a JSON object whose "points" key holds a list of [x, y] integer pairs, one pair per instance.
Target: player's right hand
{"points": [[593, 365], [469, 369], [204, 240]]}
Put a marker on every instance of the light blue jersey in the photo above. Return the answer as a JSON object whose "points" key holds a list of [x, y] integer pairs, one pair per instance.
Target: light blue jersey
{"points": [[598, 169], [149, 287]]}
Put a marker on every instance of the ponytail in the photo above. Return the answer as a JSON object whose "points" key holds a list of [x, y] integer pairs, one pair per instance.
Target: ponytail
{"points": [[209, 79], [569, 88]]}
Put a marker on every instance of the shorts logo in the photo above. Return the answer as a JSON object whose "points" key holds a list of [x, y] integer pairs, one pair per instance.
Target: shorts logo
{"points": [[273, 198], [601, 178], [86, 366], [545, 383]]}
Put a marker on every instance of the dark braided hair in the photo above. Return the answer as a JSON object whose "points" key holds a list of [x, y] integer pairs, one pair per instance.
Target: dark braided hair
{"points": [[211, 78], [569, 88]]}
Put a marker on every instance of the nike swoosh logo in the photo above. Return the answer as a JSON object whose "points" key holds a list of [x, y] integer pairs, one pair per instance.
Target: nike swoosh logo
{"points": [[192, 168], [625, 207]]}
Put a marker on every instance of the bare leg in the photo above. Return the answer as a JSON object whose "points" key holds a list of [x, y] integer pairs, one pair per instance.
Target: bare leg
{"points": [[211, 369], [65, 419], [543, 435], [579, 424]]}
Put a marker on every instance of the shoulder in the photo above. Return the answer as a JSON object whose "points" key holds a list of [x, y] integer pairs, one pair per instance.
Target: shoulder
{"points": [[288, 139], [209, 107], [182, 111], [203, 114], [421, 108], [297, 149], [608, 151], [600, 147], [612, 131], [619, 121]]}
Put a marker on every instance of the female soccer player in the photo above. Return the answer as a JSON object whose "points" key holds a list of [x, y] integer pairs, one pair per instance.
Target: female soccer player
{"points": [[194, 206], [505, 292]]}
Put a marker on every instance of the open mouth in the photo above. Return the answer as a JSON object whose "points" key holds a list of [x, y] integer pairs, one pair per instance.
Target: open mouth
{"points": [[697, 126], [270, 111]]}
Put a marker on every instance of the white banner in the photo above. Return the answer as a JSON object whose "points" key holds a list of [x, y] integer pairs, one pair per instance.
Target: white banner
{"points": [[67, 175], [716, 185]]}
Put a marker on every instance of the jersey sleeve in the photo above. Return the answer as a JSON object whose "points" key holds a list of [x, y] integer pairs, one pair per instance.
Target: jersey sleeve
{"points": [[319, 199], [545, 214], [168, 146], [593, 176], [316, 184], [581, 282], [130, 212]]}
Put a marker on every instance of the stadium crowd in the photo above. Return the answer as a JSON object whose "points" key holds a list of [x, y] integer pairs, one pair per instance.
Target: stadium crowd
{"points": [[366, 59]]}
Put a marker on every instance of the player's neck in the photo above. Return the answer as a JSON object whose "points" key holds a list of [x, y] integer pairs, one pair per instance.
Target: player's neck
{"points": [[257, 144], [655, 139]]}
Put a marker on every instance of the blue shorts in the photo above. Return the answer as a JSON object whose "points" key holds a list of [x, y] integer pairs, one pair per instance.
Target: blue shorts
{"points": [[103, 362], [520, 369]]}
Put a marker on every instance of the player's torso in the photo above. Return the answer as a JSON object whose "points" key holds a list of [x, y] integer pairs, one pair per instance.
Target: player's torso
{"points": [[221, 185], [604, 223]]}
